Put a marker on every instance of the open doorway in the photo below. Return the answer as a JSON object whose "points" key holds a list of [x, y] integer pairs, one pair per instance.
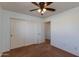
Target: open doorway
{"points": [[47, 32]]}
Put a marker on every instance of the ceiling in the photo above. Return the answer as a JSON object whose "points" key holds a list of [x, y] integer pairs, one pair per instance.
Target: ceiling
{"points": [[24, 7]]}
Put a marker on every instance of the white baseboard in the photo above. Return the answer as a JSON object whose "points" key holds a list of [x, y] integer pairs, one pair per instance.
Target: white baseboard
{"points": [[65, 50]]}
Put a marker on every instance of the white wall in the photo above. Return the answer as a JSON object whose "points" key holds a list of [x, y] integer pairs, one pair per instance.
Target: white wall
{"points": [[6, 17], [65, 30], [0, 31]]}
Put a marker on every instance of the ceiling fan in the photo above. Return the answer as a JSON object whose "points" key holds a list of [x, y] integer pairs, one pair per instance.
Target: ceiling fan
{"points": [[42, 7]]}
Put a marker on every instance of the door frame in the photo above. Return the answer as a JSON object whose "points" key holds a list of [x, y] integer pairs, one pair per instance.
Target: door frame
{"points": [[12, 18], [50, 29]]}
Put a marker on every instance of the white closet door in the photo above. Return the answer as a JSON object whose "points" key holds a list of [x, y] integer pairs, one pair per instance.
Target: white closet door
{"points": [[24, 33], [16, 34], [35, 31], [40, 32], [30, 33]]}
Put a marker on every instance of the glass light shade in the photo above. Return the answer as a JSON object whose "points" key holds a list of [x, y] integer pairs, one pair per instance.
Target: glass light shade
{"points": [[39, 10], [44, 10]]}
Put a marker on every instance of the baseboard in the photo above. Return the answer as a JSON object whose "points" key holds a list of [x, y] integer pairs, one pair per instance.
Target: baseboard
{"points": [[4, 52], [64, 50], [42, 41]]}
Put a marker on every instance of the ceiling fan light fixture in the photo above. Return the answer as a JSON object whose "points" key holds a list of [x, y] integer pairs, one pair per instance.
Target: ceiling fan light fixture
{"points": [[43, 7], [39, 10], [44, 10]]}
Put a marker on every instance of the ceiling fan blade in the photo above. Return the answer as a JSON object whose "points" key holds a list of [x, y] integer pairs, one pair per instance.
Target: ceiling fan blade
{"points": [[33, 9], [48, 3], [35, 4], [50, 9]]}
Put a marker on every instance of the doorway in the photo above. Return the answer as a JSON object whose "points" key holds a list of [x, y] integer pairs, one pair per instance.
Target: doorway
{"points": [[47, 32]]}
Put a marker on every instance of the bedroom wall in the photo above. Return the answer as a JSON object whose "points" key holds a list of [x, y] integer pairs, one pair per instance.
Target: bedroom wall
{"points": [[65, 30], [0, 31], [6, 17]]}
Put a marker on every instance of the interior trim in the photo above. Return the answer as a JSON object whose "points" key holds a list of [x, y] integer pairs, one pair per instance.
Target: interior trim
{"points": [[64, 50]]}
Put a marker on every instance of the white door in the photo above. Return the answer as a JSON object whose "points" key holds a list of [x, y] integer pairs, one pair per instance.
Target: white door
{"points": [[40, 32], [16, 40], [25, 33]]}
